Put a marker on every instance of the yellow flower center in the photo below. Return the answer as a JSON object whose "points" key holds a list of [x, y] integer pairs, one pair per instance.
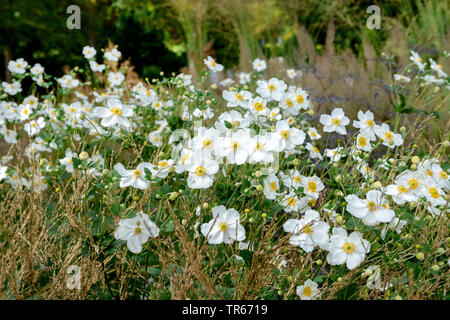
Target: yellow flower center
{"points": [[274, 186], [313, 133], [137, 230], [300, 99], [308, 230], [371, 205], [163, 164], [223, 226], [291, 201], [336, 121], [348, 247], [402, 189], [388, 135], [443, 175], [315, 149], [259, 146], [312, 186], [413, 183], [207, 142], [235, 124], [213, 63], [297, 179], [307, 291], [137, 173], [258, 106], [362, 141], [370, 122], [429, 172], [117, 111], [234, 145], [285, 134], [239, 96], [271, 87], [200, 171], [434, 193], [289, 103]]}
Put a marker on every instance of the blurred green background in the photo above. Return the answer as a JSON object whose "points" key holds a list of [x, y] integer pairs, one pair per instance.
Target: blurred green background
{"points": [[168, 35]]}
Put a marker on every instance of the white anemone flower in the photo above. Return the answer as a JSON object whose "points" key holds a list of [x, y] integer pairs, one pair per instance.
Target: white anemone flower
{"points": [[134, 178], [349, 249], [225, 227]]}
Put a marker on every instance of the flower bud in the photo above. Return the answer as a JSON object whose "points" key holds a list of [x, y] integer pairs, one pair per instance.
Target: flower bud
{"points": [[377, 185], [420, 256], [83, 156], [415, 159]]}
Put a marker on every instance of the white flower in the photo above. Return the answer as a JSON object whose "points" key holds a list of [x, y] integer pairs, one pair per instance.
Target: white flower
{"points": [[259, 65], [259, 149], [37, 69], [115, 113], [286, 136], [399, 77], [96, 67], [136, 231], [437, 68], [155, 138], [390, 139], [314, 152], [308, 291], [34, 126], [12, 88], [115, 78], [17, 66], [89, 52], [395, 224], [366, 125], [68, 81], [213, 65], [374, 279], [235, 147], [113, 55], [373, 210], [363, 142], [67, 160], [235, 99], [272, 89], [162, 169], [291, 73], [224, 227], [313, 134], [335, 122], [417, 60], [271, 186], [201, 173], [334, 154], [308, 232], [350, 249], [134, 178], [244, 78], [312, 186], [292, 203]]}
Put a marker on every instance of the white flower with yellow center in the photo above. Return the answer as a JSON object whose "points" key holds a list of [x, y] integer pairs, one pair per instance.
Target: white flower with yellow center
{"points": [[308, 291], [112, 55], [372, 210], [136, 231], [134, 178], [432, 171], [225, 227], [89, 52], [292, 179], [312, 186], [235, 99], [308, 232], [213, 65], [400, 192], [335, 122], [292, 203], [259, 65], [205, 141], [366, 124], [334, 154], [349, 249], [115, 78], [201, 173], [271, 90], [314, 152], [155, 138], [162, 168], [12, 88], [18, 66], [244, 78], [363, 142], [313, 134], [286, 137], [390, 139], [259, 149], [234, 119], [34, 126], [437, 68], [67, 160], [291, 73], [234, 147], [435, 195], [271, 187], [115, 113], [417, 60], [68, 82]]}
